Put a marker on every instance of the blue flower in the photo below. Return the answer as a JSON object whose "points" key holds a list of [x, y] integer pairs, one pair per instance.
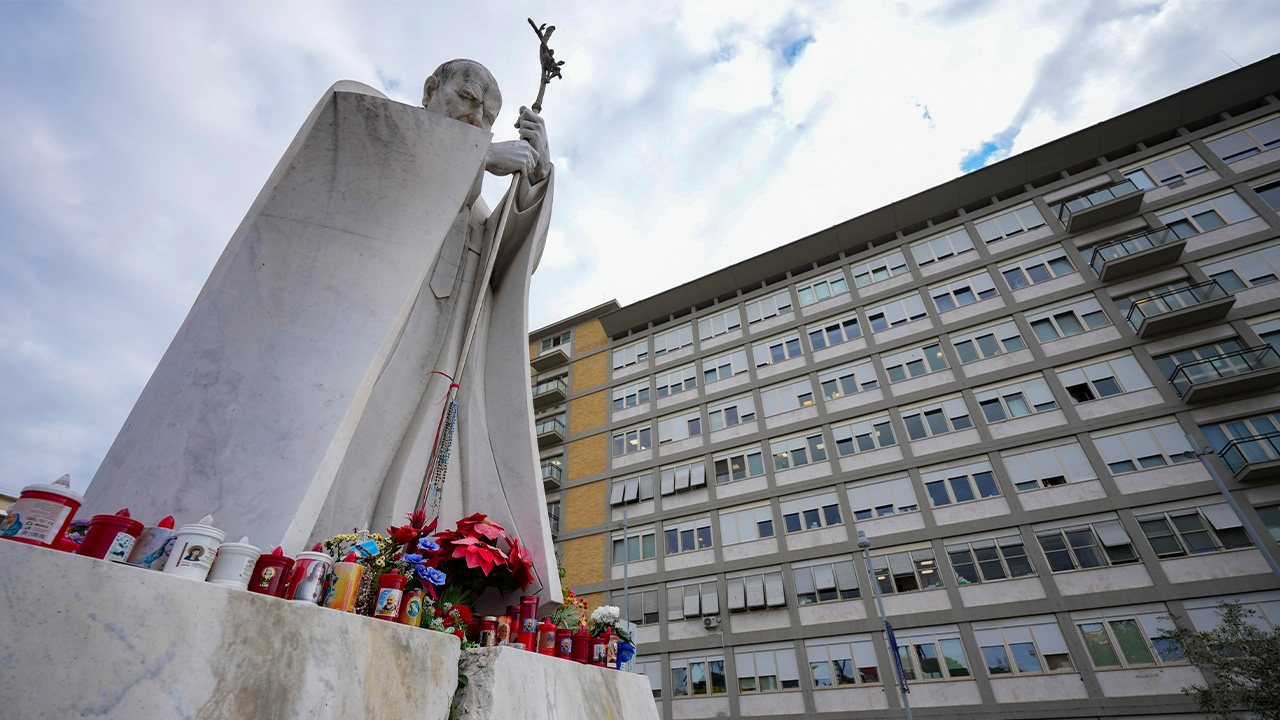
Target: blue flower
{"points": [[428, 545], [415, 559], [434, 576]]}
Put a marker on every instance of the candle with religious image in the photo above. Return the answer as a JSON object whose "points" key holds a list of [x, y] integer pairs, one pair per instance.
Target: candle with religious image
{"points": [[564, 643], [41, 514], [271, 574], [546, 638], [390, 591], [528, 631], [110, 537], [195, 549], [234, 564], [152, 548], [411, 607], [342, 584], [307, 580]]}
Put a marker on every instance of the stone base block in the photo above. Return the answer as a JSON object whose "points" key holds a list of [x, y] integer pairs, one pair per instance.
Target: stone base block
{"points": [[507, 684], [86, 638]]}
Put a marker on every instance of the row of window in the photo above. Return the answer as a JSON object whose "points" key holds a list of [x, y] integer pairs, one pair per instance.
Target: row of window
{"points": [[1113, 638]]}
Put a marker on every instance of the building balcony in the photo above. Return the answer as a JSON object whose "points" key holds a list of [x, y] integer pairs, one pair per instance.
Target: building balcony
{"points": [[550, 431], [1179, 309], [1236, 372], [1253, 458], [1104, 205], [554, 518], [550, 360], [1135, 254], [552, 477], [550, 392]]}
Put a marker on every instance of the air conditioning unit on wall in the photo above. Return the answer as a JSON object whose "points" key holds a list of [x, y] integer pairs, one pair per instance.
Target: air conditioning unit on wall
{"points": [[711, 622]]}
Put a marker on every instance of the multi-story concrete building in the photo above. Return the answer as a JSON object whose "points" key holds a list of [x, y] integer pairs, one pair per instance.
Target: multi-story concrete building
{"points": [[993, 379]]}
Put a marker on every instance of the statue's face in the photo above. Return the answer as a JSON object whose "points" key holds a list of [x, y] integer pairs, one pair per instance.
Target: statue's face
{"points": [[462, 97]]}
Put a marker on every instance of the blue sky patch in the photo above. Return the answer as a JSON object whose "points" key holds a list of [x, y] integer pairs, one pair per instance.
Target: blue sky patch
{"points": [[791, 52]]}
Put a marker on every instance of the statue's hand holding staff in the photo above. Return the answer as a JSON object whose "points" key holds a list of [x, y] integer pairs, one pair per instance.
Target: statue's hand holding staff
{"points": [[529, 155]]}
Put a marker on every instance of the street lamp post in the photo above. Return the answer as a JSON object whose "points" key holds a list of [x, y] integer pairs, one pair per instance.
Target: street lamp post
{"points": [[865, 545]]}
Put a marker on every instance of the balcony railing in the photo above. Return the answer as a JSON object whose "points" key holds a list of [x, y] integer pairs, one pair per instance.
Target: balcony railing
{"points": [[1179, 308], [549, 430], [1088, 210], [554, 518], [1191, 378], [1108, 257], [1243, 454], [550, 386], [550, 359], [553, 475]]}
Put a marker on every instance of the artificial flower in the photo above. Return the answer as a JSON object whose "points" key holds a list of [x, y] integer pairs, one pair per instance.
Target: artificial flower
{"points": [[433, 576], [520, 562], [478, 554], [413, 559], [428, 545]]}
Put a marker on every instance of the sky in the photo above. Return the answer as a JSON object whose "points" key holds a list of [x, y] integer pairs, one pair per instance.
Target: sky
{"points": [[686, 136]]}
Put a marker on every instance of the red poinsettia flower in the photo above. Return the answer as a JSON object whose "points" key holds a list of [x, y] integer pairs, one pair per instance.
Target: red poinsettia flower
{"points": [[417, 527], [520, 562], [478, 554], [479, 525]]}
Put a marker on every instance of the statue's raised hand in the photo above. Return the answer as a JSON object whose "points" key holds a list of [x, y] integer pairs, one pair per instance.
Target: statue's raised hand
{"points": [[534, 131], [512, 156]]}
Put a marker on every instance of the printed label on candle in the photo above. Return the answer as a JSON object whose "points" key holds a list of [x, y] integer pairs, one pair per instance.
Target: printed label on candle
{"points": [[268, 574], [597, 653], [194, 555], [388, 602], [35, 519], [530, 625], [120, 547], [566, 645], [414, 608]]}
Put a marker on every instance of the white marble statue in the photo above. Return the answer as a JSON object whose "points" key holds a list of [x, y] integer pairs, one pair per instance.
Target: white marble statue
{"points": [[298, 398]]}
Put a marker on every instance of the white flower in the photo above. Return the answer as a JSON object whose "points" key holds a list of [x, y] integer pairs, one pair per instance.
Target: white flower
{"points": [[606, 614]]}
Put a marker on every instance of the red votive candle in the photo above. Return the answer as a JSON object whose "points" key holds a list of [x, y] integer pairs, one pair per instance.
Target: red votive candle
{"points": [[110, 537], [564, 643], [582, 646], [42, 514], [271, 574], [390, 590], [547, 638], [598, 647], [529, 622]]}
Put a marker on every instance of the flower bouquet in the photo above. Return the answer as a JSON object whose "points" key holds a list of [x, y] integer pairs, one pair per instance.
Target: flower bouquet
{"points": [[473, 558], [572, 615], [608, 617]]}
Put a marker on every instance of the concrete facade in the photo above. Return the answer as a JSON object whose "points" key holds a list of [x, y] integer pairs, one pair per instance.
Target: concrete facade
{"points": [[952, 376]]}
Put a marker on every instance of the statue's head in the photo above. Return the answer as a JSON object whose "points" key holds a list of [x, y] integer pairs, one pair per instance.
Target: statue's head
{"points": [[463, 90]]}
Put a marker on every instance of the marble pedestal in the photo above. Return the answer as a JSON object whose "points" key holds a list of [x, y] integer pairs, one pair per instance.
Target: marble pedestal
{"points": [[87, 638], [506, 684]]}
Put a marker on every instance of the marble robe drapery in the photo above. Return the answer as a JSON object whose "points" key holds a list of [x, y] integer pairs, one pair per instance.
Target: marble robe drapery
{"points": [[293, 400], [494, 466]]}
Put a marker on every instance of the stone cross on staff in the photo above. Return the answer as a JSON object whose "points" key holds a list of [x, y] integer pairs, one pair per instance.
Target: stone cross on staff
{"points": [[550, 68]]}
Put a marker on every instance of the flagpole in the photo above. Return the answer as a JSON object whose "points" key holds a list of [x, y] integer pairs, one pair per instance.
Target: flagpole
{"points": [[900, 677]]}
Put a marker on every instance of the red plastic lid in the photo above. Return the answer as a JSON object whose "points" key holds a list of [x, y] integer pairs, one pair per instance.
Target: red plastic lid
{"points": [[51, 489], [166, 523]]}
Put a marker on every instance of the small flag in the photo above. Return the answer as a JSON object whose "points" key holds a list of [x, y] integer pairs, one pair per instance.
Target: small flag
{"points": [[897, 657]]}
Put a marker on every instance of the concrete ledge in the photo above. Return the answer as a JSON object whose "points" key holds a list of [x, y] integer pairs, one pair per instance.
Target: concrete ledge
{"points": [[506, 684], [87, 638]]}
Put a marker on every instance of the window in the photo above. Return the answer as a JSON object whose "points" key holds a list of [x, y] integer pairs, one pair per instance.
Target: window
{"points": [[1144, 448], [1048, 467], [834, 332], [766, 670], [942, 247], [683, 477], [1265, 608], [798, 450], [679, 427], [553, 468], [1271, 518], [1243, 429], [819, 290], [719, 324], [1009, 224], [847, 380], [1270, 193], [677, 380], [989, 559], [1016, 400], [696, 676], [1207, 215], [636, 352], [1037, 269], [960, 483], [1260, 267], [672, 340], [881, 268], [932, 656], [688, 535], [1029, 647], [756, 591], [1168, 169], [725, 366], [914, 362], [731, 412], [1098, 380], [965, 291], [1249, 140], [777, 349], [845, 660], [937, 419], [652, 669], [739, 464], [746, 523], [551, 343], [1078, 317], [826, 580], [1169, 363], [632, 440], [638, 544], [1192, 531], [988, 342], [692, 598], [864, 435], [1090, 545], [881, 498], [626, 491], [906, 571], [631, 395], [787, 397], [553, 516], [1121, 639], [642, 606], [1269, 332], [767, 307], [899, 311], [811, 513]]}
